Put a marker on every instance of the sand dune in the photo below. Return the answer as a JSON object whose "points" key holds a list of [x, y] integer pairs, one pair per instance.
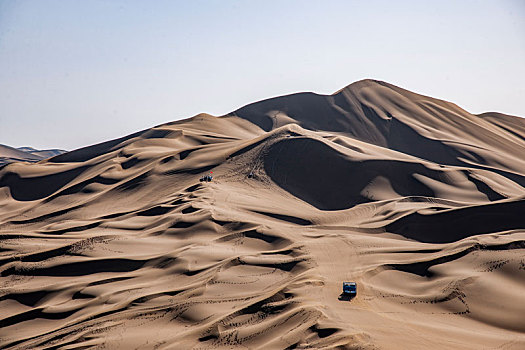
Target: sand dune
{"points": [[120, 246], [25, 154]]}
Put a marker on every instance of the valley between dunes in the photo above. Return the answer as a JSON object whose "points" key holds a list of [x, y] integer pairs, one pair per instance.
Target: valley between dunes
{"points": [[120, 246]]}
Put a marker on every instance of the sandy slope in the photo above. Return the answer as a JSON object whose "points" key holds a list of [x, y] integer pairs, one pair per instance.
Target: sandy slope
{"points": [[119, 245]]}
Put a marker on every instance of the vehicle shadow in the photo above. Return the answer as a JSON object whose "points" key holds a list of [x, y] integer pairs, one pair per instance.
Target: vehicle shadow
{"points": [[346, 297]]}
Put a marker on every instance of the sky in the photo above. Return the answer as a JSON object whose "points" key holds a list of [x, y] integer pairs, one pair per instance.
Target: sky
{"points": [[75, 73]]}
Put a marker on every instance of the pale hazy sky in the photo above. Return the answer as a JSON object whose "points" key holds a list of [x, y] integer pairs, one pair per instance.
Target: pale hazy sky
{"points": [[74, 73]]}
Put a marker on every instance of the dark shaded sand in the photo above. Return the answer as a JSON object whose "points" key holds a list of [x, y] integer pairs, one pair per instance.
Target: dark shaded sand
{"points": [[119, 246]]}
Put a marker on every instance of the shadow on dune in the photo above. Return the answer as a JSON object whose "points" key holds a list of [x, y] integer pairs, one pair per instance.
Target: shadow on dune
{"points": [[305, 107], [329, 180], [80, 268], [456, 224], [38, 187]]}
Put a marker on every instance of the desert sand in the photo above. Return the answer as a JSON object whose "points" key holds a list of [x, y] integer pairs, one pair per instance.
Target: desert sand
{"points": [[120, 246]]}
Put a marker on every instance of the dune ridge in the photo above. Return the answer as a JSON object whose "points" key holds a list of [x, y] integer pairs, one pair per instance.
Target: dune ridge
{"points": [[119, 245]]}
